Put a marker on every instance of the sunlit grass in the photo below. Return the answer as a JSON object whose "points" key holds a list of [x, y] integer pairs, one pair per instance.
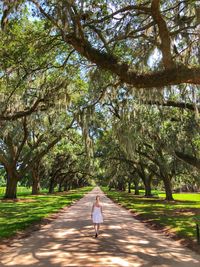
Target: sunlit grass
{"points": [[21, 191], [15, 216], [178, 215]]}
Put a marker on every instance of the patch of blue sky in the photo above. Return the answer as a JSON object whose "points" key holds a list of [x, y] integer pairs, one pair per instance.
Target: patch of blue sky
{"points": [[154, 58], [32, 10]]}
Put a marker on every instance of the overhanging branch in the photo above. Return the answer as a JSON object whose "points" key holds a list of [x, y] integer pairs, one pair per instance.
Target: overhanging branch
{"points": [[188, 159], [172, 75], [159, 79], [170, 103]]}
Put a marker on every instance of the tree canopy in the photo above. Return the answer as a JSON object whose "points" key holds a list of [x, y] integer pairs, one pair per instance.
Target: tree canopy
{"points": [[121, 36], [106, 89]]}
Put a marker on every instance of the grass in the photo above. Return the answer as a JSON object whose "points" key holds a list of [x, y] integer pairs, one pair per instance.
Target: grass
{"points": [[15, 216], [177, 217], [20, 190]]}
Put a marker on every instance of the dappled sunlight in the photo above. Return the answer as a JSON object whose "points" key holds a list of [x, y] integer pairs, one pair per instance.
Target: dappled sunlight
{"points": [[114, 227], [123, 241], [121, 262], [61, 233], [143, 241]]}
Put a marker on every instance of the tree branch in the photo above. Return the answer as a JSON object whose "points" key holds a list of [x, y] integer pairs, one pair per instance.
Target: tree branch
{"points": [[124, 9], [188, 159], [24, 138], [164, 34], [173, 76], [170, 103], [22, 113]]}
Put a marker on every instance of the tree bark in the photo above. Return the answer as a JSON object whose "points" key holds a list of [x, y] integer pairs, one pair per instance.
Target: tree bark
{"points": [[168, 187], [137, 192], [11, 185], [60, 187], [66, 187], [129, 187], [36, 182], [147, 184], [51, 185], [170, 76], [148, 188], [164, 34], [121, 186], [170, 103], [188, 159], [36, 187]]}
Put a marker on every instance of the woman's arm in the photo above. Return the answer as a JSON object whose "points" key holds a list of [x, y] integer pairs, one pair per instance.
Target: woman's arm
{"points": [[101, 210], [92, 209]]}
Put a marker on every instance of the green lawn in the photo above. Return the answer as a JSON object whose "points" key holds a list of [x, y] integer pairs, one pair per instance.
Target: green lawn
{"points": [[20, 190], [178, 216], [15, 216]]}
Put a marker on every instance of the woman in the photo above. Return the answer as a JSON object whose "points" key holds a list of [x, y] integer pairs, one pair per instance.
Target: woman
{"points": [[97, 215]]}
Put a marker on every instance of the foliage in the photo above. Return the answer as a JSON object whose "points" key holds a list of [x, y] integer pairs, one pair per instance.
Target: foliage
{"points": [[40, 93], [105, 89], [143, 140]]}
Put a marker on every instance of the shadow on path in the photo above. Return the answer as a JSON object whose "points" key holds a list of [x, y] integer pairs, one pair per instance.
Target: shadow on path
{"points": [[123, 241]]}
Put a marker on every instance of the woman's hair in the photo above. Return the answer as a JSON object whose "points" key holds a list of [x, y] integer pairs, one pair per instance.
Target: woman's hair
{"points": [[97, 197]]}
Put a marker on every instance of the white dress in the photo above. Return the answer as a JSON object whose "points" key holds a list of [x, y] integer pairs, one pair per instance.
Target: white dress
{"points": [[97, 215]]}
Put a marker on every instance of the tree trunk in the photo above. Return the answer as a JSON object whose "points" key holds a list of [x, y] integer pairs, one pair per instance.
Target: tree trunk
{"points": [[148, 187], [146, 180], [66, 187], [11, 185], [121, 186], [129, 187], [36, 182], [168, 187], [137, 192], [35, 187], [60, 187], [51, 185]]}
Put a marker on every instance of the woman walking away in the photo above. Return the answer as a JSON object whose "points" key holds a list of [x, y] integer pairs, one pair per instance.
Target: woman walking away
{"points": [[97, 215]]}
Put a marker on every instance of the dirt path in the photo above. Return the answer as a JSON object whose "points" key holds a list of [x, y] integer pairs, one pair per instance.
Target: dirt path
{"points": [[124, 241]]}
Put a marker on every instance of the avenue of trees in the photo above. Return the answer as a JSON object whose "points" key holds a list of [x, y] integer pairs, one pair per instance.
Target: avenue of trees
{"points": [[100, 89]]}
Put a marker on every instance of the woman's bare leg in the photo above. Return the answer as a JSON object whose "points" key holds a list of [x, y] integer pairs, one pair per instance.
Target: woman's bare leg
{"points": [[95, 228], [98, 227]]}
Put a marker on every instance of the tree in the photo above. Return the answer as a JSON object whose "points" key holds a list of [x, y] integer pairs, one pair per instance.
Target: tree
{"points": [[68, 167], [146, 137], [152, 26], [130, 69], [35, 97], [23, 148]]}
